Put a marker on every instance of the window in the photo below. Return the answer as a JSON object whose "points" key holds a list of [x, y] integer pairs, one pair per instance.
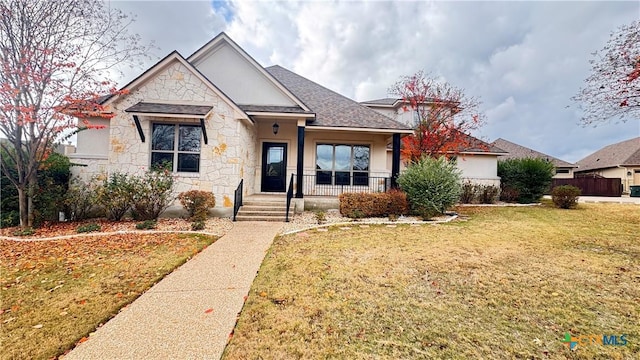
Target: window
{"points": [[177, 146], [342, 164], [562, 171]]}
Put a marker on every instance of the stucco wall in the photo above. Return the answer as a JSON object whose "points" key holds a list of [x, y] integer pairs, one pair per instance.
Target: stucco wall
{"points": [[239, 79], [223, 162]]}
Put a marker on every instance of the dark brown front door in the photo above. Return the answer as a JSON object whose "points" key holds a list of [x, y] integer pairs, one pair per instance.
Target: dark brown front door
{"points": [[274, 167]]}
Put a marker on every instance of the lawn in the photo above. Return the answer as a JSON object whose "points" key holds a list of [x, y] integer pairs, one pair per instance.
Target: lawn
{"points": [[55, 293], [503, 283]]}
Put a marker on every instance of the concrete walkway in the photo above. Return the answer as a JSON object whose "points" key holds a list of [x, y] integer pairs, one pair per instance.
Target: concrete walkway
{"points": [[192, 311]]}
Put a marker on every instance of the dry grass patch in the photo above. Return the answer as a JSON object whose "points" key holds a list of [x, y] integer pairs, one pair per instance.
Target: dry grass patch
{"points": [[507, 283], [54, 293]]}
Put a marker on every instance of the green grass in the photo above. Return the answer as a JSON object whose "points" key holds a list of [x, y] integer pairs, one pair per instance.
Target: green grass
{"points": [[506, 283], [55, 293]]}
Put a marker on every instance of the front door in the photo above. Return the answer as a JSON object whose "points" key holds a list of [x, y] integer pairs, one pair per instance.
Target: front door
{"points": [[274, 167]]}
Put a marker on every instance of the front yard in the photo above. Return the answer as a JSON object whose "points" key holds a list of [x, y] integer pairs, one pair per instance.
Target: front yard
{"points": [[506, 283], [54, 293]]}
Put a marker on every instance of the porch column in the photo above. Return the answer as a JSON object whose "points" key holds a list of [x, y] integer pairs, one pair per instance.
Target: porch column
{"points": [[300, 163], [395, 161]]}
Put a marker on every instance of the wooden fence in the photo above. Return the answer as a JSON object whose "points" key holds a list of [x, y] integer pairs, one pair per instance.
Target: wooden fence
{"points": [[593, 186]]}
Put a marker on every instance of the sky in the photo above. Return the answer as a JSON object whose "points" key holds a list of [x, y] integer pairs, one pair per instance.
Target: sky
{"points": [[524, 60]]}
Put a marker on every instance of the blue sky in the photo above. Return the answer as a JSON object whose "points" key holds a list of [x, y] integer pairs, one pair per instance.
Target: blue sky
{"points": [[524, 60]]}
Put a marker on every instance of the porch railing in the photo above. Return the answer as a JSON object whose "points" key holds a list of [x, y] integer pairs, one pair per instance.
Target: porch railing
{"points": [[289, 197], [326, 185], [237, 199]]}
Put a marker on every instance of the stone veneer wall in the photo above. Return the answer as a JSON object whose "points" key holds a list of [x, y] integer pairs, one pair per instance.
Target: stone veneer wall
{"points": [[227, 157]]}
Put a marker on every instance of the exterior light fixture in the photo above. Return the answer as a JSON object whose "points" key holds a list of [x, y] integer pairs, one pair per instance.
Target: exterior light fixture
{"points": [[276, 127]]}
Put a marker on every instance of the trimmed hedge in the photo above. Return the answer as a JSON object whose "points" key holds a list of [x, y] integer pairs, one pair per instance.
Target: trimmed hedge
{"points": [[359, 205], [565, 196], [529, 178]]}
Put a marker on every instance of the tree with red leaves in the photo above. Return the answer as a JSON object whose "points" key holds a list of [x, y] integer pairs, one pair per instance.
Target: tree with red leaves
{"points": [[612, 91], [56, 58], [444, 117]]}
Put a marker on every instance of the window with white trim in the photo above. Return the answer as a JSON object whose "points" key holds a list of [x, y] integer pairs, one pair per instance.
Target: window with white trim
{"points": [[176, 146], [341, 164]]}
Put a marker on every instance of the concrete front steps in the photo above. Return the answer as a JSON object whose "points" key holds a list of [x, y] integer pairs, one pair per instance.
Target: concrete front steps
{"points": [[263, 207]]}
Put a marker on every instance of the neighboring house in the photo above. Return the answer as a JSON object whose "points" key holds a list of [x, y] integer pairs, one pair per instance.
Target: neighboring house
{"points": [[563, 169], [620, 160], [478, 163], [218, 118]]}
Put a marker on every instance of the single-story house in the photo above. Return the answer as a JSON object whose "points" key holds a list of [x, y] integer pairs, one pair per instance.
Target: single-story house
{"points": [[478, 162], [218, 118], [563, 169], [619, 160]]}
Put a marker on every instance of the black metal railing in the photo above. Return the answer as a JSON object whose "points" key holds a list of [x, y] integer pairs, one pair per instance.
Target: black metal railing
{"points": [[237, 199], [332, 185], [289, 197]]}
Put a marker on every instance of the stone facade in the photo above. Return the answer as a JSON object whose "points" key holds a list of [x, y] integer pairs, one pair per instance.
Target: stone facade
{"points": [[228, 156]]}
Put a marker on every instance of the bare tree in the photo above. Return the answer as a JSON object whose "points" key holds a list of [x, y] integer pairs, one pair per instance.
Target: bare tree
{"points": [[444, 116], [612, 91], [56, 59]]}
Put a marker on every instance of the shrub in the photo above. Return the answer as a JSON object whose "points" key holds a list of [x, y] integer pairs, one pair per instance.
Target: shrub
{"points": [[531, 177], [488, 194], [321, 217], [509, 194], [197, 225], [397, 203], [469, 192], [48, 199], [432, 186], [116, 195], [153, 193], [91, 227], [197, 203], [359, 205], [565, 196], [80, 199], [146, 225], [24, 232]]}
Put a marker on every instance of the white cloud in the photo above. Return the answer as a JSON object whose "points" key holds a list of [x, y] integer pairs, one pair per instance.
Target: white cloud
{"points": [[523, 59]]}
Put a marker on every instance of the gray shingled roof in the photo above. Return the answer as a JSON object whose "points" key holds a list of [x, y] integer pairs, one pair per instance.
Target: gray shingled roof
{"points": [[384, 101], [156, 108], [273, 108], [477, 145], [623, 153], [331, 108], [519, 152]]}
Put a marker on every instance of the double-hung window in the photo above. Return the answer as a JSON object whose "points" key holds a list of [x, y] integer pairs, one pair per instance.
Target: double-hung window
{"points": [[342, 164], [176, 146]]}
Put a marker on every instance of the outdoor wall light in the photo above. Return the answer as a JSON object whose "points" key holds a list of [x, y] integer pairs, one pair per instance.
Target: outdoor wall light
{"points": [[276, 127]]}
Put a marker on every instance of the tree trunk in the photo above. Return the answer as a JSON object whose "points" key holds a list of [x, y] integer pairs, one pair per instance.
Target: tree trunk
{"points": [[23, 205], [32, 185]]}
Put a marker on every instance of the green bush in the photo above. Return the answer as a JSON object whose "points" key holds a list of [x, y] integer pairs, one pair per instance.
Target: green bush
{"points": [[565, 196], [530, 177], [509, 194], [91, 227], [432, 186], [116, 195], [146, 225], [48, 199], [197, 203], [24, 232], [80, 199], [153, 193]]}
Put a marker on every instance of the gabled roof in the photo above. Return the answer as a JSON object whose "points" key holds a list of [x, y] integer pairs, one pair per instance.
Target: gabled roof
{"points": [[214, 43], [478, 146], [516, 151], [274, 109], [332, 109], [393, 102], [624, 153], [159, 66]]}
